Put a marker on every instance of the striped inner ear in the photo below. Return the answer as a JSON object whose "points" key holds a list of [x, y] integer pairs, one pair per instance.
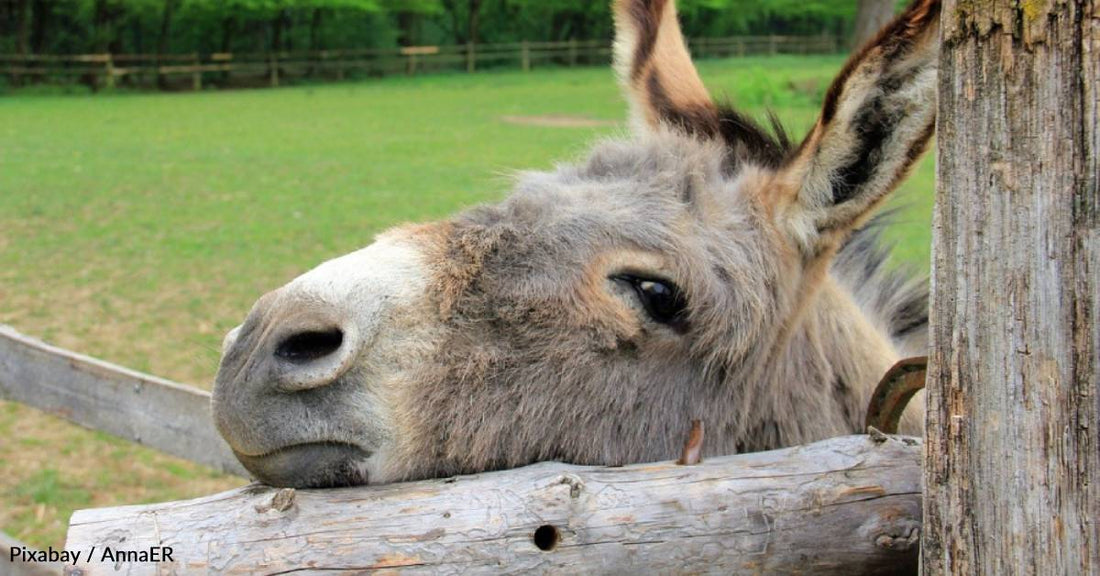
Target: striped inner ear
{"points": [[656, 70], [876, 121]]}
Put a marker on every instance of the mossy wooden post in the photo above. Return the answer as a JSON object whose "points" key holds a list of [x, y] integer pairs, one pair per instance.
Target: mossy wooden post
{"points": [[525, 56], [1012, 458], [471, 57]]}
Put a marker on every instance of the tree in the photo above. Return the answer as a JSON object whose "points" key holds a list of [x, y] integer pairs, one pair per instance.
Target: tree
{"points": [[409, 15], [463, 32], [163, 42], [1012, 457], [871, 16], [41, 21], [23, 26]]}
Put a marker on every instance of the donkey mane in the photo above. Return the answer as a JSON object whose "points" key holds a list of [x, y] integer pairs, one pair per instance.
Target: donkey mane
{"points": [[895, 296]]}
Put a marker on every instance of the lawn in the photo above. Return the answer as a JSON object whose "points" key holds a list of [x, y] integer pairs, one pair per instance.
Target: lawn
{"points": [[139, 228]]}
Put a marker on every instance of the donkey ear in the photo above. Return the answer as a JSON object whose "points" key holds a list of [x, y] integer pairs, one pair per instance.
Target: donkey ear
{"points": [[656, 70], [876, 121]]}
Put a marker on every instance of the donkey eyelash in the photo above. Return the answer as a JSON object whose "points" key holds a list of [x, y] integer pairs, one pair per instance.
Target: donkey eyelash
{"points": [[662, 299]]}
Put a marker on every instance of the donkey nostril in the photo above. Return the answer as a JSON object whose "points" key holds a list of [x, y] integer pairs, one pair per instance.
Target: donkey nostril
{"points": [[308, 346]]}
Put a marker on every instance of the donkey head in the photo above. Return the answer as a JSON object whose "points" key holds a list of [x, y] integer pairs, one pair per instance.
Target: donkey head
{"points": [[687, 272]]}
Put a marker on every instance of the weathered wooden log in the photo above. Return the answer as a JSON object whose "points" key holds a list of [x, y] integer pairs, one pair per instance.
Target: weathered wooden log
{"points": [[170, 417], [848, 505]]}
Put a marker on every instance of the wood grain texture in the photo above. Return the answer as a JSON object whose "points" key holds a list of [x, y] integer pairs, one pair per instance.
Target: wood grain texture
{"points": [[1012, 458], [167, 416], [848, 505]]}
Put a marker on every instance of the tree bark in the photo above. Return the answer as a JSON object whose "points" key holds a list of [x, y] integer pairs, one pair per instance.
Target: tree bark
{"points": [[1012, 457], [846, 506], [871, 16]]}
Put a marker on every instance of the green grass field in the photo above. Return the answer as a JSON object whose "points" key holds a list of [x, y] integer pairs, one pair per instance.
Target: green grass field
{"points": [[139, 228]]}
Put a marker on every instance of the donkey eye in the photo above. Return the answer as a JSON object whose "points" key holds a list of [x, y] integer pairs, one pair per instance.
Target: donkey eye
{"points": [[662, 299]]}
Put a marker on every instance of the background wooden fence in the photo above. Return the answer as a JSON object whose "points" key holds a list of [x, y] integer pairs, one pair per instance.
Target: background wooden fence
{"points": [[194, 71]]}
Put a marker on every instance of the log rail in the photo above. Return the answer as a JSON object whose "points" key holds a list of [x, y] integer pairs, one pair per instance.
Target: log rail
{"points": [[848, 505]]}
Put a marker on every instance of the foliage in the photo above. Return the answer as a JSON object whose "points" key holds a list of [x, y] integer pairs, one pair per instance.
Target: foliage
{"points": [[136, 26]]}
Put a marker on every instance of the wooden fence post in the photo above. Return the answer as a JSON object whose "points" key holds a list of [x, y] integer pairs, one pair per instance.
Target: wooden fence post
{"points": [[225, 59], [572, 52], [471, 57], [1012, 455], [196, 75], [525, 56], [273, 69], [109, 71], [15, 66]]}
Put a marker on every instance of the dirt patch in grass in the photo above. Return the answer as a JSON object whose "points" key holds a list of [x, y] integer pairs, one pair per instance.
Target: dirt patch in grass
{"points": [[557, 121]]}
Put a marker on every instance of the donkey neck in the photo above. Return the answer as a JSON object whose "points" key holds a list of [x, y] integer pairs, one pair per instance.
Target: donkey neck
{"points": [[825, 371]]}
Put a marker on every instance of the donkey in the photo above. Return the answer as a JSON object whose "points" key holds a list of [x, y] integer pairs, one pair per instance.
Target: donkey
{"points": [[704, 268]]}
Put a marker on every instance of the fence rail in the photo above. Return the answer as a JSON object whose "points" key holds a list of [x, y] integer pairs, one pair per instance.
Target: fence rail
{"points": [[848, 505], [195, 70], [170, 417]]}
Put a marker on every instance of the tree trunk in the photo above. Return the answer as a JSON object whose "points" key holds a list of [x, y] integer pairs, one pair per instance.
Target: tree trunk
{"points": [[164, 41], [871, 16], [315, 29], [315, 38], [22, 26], [288, 31], [1012, 459], [229, 30], [41, 18], [473, 21], [406, 23], [451, 8], [277, 24], [22, 36]]}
